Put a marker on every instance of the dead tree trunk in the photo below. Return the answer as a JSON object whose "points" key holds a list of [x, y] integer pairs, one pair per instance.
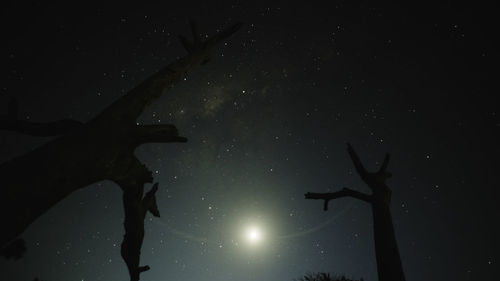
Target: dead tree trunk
{"points": [[101, 149], [389, 265], [136, 208]]}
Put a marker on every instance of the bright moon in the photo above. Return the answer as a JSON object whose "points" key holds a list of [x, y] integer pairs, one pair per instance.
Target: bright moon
{"points": [[253, 235]]}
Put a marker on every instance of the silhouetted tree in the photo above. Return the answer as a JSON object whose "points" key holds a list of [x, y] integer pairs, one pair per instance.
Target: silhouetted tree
{"points": [[324, 276], [134, 227], [14, 250], [388, 260], [85, 153], [11, 122]]}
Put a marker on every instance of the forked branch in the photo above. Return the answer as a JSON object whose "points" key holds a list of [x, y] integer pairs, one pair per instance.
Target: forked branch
{"points": [[341, 193], [373, 180]]}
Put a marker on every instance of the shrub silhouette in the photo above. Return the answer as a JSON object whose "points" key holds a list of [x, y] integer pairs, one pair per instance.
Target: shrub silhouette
{"points": [[324, 276]]}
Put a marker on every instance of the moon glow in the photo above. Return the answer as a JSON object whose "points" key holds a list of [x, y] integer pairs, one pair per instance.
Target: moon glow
{"points": [[253, 235]]}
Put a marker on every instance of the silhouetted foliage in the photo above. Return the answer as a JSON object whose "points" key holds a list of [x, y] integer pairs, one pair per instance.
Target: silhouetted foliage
{"points": [[324, 276]]}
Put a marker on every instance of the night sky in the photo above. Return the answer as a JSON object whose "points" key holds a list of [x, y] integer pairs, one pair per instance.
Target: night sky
{"points": [[267, 120]]}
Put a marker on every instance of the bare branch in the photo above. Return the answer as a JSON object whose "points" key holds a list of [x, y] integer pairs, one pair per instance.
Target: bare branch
{"points": [[197, 44], [103, 149], [341, 193], [224, 34], [156, 133], [128, 108], [149, 202], [136, 208], [188, 46], [10, 122], [195, 32], [385, 163], [357, 162], [143, 268], [15, 249], [389, 265], [373, 180]]}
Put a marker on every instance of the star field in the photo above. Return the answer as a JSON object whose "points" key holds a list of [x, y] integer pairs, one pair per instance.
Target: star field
{"points": [[267, 119]]}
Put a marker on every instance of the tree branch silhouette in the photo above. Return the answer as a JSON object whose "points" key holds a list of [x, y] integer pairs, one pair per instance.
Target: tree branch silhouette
{"points": [[11, 122], [338, 194], [86, 153], [389, 265]]}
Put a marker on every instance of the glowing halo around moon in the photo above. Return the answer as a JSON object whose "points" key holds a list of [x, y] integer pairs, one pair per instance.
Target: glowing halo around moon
{"points": [[253, 235]]}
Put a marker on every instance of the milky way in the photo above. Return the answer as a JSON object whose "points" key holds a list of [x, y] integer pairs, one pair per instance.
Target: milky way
{"points": [[267, 120]]}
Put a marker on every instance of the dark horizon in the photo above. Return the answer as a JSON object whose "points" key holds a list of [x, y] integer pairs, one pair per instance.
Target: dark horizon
{"points": [[267, 120]]}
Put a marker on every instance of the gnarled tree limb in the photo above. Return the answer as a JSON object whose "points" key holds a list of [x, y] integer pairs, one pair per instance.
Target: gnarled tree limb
{"points": [[156, 133], [101, 149], [11, 122], [136, 206], [334, 195], [373, 180], [388, 260]]}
